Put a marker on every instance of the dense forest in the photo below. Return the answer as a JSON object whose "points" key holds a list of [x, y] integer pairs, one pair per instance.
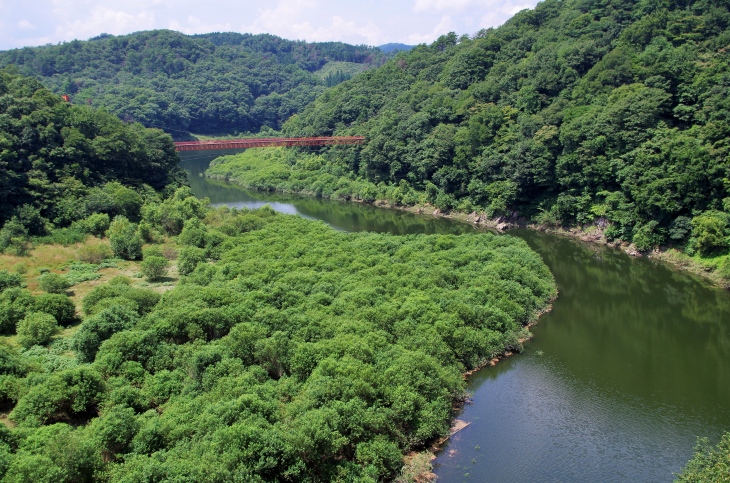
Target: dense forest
{"points": [[579, 112], [209, 83], [60, 164], [289, 351], [238, 345]]}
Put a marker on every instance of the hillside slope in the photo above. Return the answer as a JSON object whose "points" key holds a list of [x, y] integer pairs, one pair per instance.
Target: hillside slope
{"points": [[60, 163], [576, 112], [209, 83]]}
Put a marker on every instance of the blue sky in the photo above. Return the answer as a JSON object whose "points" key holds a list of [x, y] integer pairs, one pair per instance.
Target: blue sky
{"points": [[39, 22]]}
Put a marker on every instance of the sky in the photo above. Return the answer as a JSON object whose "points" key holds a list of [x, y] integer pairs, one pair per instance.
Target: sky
{"points": [[39, 22]]}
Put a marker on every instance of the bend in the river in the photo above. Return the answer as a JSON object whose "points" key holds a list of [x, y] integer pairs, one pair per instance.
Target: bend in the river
{"points": [[630, 366]]}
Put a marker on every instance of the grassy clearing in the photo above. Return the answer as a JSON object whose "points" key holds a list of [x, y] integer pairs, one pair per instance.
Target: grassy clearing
{"points": [[57, 259]]}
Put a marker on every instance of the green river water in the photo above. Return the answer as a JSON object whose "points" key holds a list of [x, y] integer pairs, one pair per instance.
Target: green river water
{"points": [[632, 364]]}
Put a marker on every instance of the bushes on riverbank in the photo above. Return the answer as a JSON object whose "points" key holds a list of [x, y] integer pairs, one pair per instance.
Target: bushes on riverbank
{"points": [[327, 354]]}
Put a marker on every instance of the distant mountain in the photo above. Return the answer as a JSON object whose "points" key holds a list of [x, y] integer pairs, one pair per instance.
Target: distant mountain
{"points": [[209, 83], [393, 48]]}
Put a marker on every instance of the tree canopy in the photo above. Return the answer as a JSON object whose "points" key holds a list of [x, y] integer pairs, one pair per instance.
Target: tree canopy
{"points": [[208, 83], [289, 352], [575, 112], [60, 163]]}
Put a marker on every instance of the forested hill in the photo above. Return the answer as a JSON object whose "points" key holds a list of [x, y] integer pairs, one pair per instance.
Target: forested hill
{"points": [[576, 112], [60, 163], [212, 83]]}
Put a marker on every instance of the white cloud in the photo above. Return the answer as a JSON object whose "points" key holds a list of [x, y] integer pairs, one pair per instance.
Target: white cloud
{"points": [[105, 20], [194, 25], [428, 5], [304, 20], [445, 25], [413, 21], [500, 14], [25, 25]]}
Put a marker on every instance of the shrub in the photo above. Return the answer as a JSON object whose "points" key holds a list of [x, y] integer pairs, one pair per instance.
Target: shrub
{"points": [[710, 463], [98, 328], [647, 236], [8, 280], [14, 237], [15, 303], [36, 328], [120, 280], [94, 253], [193, 233], [154, 267], [125, 241], [95, 224], [189, 258], [710, 230], [64, 394], [145, 231], [65, 236], [145, 299], [59, 306], [152, 251], [53, 283]]}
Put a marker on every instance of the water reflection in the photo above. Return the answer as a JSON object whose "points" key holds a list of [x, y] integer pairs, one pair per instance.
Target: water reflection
{"points": [[630, 366]]}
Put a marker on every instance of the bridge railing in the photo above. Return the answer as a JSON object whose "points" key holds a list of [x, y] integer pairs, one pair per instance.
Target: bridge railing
{"points": [[267, 142]]}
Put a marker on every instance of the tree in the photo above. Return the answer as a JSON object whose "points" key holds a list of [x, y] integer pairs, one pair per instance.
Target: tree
{"points": [[37, 328], [99, 327], [154, 267], [708, 463], [53, 283], [125, 241], [9, 280], [710, 231], [189, 258], [59, 306]]}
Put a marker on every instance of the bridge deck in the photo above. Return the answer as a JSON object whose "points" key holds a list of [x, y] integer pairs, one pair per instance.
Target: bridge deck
{"points": [[267, 142]]}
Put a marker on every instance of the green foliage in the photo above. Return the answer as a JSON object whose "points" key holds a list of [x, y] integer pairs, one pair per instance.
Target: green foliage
{"points": [[119, 287], [82, 272], [94, 254], [124, 239], [171, 214], [64, 395], [56, 453], [612, 117], [189, 258], [710, 231], [281, 170], [296, 350], [101, 326], [15, 304], [59, 306], [61, 163], [647, 236], [154, 267], [36, 328], [9, 280], [95, 224], [710, 463], [207, 83], [53, 283]]}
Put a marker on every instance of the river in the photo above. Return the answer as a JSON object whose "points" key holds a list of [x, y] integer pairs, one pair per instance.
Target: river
{"points": [[631, 365]]}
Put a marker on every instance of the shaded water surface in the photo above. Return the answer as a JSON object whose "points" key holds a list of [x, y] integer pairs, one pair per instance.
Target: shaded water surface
{"points": [[630, 366]]}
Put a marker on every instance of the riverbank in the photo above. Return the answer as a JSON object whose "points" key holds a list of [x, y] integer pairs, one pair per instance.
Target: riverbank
{"points": [[274, 171], [589, 234]]}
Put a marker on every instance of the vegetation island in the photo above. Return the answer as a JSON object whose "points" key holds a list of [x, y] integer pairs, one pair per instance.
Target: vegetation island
{"points": [[147, 336]]}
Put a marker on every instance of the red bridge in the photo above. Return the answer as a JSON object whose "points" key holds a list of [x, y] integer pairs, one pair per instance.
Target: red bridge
{"points": [[267, 142]]}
